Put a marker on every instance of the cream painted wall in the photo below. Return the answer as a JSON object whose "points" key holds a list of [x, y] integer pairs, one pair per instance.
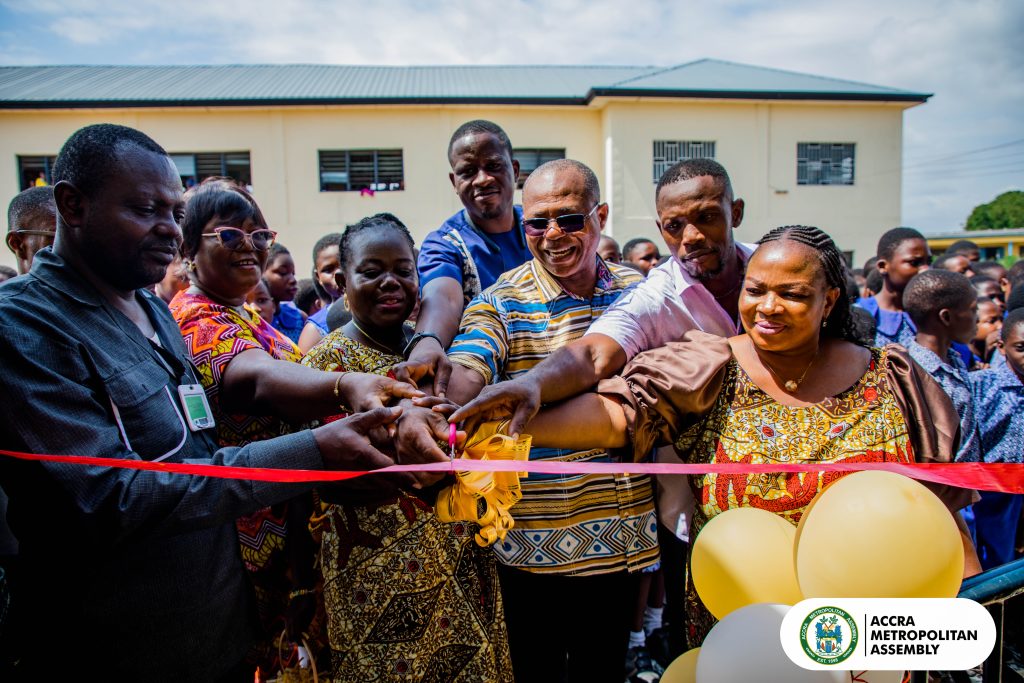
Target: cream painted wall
{"points": [[756, 141], [283, 146]]}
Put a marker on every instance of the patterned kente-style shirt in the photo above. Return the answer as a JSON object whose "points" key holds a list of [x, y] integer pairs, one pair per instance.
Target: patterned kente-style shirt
{"points": [[566, 524]]}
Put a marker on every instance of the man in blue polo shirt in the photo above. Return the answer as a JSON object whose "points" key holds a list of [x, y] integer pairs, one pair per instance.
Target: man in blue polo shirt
{"points": [[471, 249]]}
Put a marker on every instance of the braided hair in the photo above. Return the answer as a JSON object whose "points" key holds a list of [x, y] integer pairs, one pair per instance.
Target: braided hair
{"points": [[376, 222], [840, 324]]}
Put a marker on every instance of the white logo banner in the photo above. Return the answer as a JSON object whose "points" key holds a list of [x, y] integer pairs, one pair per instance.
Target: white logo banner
{"points": [[947, 634]]}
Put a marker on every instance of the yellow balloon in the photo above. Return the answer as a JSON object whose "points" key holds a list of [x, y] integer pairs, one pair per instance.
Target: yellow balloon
{"points": [[878, 535], [683, 669], [744, 556]]}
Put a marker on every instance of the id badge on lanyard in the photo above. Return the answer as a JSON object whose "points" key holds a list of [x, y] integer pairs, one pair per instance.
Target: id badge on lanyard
{"points": [[196, 407]]}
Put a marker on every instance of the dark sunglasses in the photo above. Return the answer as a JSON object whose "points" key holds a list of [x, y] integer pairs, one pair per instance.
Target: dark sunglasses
{"points": [[570, 222], [235, 238]]}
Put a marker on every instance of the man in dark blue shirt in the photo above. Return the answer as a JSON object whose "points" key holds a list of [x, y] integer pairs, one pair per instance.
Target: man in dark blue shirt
{"points": [[127, 575], [471, 249]]}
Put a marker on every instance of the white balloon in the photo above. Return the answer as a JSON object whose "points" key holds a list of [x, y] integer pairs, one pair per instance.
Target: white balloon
{"points": [[744, 647]]}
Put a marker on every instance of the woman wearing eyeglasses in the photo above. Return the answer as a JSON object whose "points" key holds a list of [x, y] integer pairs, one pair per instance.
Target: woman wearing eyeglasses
{"points": [[257, 390]]}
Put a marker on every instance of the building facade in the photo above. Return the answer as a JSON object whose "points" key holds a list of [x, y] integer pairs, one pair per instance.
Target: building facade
{"points": [[323, 146], [994, 245]]}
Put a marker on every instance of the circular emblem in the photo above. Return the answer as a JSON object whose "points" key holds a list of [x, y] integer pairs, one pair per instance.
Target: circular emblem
{"points": [[829, 635]]}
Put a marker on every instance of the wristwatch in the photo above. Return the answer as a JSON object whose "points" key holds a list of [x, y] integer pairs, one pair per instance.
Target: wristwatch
{"points": [[416, 340]]}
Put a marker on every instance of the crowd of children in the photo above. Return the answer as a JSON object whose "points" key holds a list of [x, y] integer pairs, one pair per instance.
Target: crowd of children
{"points": [[962, 319]]}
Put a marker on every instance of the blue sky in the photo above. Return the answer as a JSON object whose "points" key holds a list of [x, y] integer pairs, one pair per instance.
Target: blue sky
{"points": [[962, 148]]}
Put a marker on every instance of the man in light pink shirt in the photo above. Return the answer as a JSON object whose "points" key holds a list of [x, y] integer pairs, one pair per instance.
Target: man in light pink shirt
{"points": [[697, 289]]}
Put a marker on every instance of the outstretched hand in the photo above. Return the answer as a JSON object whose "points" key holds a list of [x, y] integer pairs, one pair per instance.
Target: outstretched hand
{"points": [[365, 392], [427, 359], [348, 444], [517, 398], [421, 432]]}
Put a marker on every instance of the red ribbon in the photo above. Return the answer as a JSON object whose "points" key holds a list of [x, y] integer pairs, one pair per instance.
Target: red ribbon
{"points": [[1001, 477]]}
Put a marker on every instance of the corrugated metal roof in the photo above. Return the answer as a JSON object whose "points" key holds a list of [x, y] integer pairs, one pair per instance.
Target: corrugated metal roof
{"points": [[110, 86]]}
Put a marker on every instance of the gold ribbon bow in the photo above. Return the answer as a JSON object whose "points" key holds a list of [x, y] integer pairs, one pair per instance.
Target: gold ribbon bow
{"points": [[485, 497]]}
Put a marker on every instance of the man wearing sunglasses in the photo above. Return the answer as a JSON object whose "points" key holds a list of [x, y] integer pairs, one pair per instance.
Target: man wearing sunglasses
{"points": [[570, 567], [698, 288], [135, 573], [31, 222]]}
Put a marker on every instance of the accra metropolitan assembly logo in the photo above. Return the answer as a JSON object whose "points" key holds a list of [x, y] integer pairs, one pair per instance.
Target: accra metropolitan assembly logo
{"points": [[829, 635]]}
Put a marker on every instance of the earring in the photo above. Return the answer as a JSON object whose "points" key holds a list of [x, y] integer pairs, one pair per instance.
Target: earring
{"points": [[344, 300], [190, 266], [824, 324]]}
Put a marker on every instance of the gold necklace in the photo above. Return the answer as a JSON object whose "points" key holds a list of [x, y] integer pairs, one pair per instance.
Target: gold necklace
{"points": [[790, 385], [379, 345]]}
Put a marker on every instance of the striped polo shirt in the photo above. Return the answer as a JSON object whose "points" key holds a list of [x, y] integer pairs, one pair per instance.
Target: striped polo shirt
{"points": [[565, 524]]}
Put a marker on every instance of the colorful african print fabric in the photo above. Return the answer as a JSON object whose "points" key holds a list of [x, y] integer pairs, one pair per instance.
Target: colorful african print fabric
{"points": [[694, 395], [214, 334], [408, 598], [862, 424], [577, 524]]}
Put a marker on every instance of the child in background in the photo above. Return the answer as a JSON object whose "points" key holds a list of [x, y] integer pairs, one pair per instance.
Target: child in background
{"points": [[902, 254], [943, 306], [260, 300], [307, 300], [175, 280], [872, 283], [280, 277], [985, 344], [988, 288], [326, 266], [999, 404]]}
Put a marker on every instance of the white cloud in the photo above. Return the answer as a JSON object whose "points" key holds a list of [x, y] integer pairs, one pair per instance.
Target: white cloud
{"points": [[967, 52]]}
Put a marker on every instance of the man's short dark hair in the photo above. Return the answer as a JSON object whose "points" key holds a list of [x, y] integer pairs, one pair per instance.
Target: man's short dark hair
{"points": [[961, 247], [590, 183], [941, 260], [1015, 274], [91, 154], [331, 239], [873, 281], [30, 202], [305, 296], [1013, 318], [870, 264], [1016, 299], [480, 127], [891, 239], [979, 280], [930, 291], [990, 269], [694, 168], [632, 245]]}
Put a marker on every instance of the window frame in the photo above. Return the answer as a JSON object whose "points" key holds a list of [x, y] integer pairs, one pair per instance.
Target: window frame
{"points": [[46, 167], [694, 149], [542, 156], [830, 168], [378, 184], [221, 160]]}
